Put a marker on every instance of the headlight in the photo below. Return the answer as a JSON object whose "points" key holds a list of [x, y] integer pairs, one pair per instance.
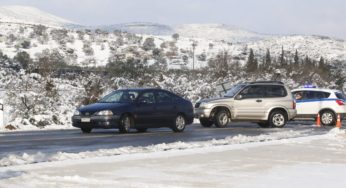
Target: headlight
{"points": [[104, 113], [76, 113]]}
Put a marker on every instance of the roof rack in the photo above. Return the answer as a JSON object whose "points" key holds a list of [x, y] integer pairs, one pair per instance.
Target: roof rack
{"points": [[266, 82]]}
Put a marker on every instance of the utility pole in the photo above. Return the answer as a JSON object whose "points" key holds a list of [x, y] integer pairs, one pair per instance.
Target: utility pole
{"points": [[194, 44]]}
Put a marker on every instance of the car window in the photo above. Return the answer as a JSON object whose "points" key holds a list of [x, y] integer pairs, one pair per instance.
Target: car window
{"points": [[253, 92], [234, 90], [340, 95], [275, 91], [164, 97], [310, 95], [147, 97], [321, 95], [298, 95], [125, 96], [316, 95]]}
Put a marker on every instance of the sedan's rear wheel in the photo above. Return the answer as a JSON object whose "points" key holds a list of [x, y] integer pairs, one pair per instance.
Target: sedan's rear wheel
{"points": [[328, 118], [221, 119], [179, 123], [125, 124], [206, 122], [86, 130]]}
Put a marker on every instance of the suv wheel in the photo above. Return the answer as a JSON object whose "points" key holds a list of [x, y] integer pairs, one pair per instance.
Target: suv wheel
{"points": [[263, 124], [277, 119], [179, 123], [221, 119], [125, 124], [206, 122], [328, 118]]}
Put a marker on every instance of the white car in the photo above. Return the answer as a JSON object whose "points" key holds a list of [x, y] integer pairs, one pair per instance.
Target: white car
{"points": [[326, 102]]}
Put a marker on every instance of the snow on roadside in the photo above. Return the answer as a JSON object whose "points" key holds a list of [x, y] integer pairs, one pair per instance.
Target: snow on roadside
{"points": [[282, 137]]}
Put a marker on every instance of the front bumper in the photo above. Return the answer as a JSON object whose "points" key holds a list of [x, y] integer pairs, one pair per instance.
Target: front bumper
{"points": [[202, 112], [102, 122]]}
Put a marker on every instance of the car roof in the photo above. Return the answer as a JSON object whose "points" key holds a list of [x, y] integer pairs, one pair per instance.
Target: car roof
{"points": [[140, 89], [263, 83], [317, 89]]}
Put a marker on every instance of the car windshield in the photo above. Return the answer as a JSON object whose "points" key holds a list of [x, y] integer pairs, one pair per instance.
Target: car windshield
{"points": [[234, 90], [121, 96]]}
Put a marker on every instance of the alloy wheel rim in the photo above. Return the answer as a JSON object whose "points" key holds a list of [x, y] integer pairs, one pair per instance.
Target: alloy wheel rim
{"points": [[327, 118], [180, 122], [223, 118], [127, 123], [278, 120]]}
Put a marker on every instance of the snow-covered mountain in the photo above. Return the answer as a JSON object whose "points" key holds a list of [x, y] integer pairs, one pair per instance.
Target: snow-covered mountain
{"points": [[218, 32], [144, 28], [31, 15]]}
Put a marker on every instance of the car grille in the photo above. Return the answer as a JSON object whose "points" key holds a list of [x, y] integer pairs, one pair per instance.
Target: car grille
{"points": [[197, 105]]}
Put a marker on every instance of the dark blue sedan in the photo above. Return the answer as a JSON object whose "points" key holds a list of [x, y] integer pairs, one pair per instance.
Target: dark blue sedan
{"points": [[139, 109]]}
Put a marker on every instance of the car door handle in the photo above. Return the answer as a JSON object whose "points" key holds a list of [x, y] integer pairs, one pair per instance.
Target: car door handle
{"points": [[259, 100]]}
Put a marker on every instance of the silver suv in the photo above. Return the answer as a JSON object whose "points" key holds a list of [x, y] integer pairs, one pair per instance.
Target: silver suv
{"points": [[268, 103]]}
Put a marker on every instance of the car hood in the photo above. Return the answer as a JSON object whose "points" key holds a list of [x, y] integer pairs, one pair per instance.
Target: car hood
{"points": [[96, 107], [214, 100]]}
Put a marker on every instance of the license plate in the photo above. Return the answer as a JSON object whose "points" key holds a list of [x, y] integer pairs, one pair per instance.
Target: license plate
{"points": [[85, 120]]}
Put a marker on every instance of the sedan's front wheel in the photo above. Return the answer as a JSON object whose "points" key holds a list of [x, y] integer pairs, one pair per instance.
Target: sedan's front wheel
{"points": [[179, 123]]}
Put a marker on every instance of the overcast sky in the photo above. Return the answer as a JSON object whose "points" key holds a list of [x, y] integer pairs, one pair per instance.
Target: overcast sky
{"points": [[322, 17]]}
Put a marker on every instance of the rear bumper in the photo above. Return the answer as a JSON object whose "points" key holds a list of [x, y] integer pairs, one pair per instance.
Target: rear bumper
{"points": [[102, 122], [292, 113]]}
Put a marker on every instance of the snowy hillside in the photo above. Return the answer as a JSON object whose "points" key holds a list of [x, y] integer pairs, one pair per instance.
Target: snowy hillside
{"points": [[30, 15]]}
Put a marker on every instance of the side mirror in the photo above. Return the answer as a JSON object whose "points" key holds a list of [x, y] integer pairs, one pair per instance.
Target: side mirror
{"points": [[1, 107], [239, 97]]}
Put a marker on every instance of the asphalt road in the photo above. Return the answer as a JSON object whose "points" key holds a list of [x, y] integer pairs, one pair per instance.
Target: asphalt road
{"points": [[74, 141]]}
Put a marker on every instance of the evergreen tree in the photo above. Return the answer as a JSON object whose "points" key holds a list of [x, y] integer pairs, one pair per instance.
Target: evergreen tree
{"points": [[252, 63], [296, 58], [268, 60], [282, 58]]}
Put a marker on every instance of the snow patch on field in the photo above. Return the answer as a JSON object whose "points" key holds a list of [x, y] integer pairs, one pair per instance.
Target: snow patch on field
{"points": [[240, 140]]}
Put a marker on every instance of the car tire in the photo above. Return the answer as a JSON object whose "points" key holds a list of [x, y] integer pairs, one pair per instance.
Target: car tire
{"points": [[179, 123], [125, 123], [328, 118], [221, 119], [142, 130], [277, 119], [86, 130], [206, 122], [263, 124]]}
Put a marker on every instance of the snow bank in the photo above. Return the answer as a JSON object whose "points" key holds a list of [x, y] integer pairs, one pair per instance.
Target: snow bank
{"points": [[240, 140]]}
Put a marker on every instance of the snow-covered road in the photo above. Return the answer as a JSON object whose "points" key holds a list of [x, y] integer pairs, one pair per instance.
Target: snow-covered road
{"points": [[40, 146], [311, 161]]}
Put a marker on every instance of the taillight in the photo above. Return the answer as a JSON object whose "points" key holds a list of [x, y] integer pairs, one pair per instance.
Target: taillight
{"points": [[340, 102], [294, 105]]}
